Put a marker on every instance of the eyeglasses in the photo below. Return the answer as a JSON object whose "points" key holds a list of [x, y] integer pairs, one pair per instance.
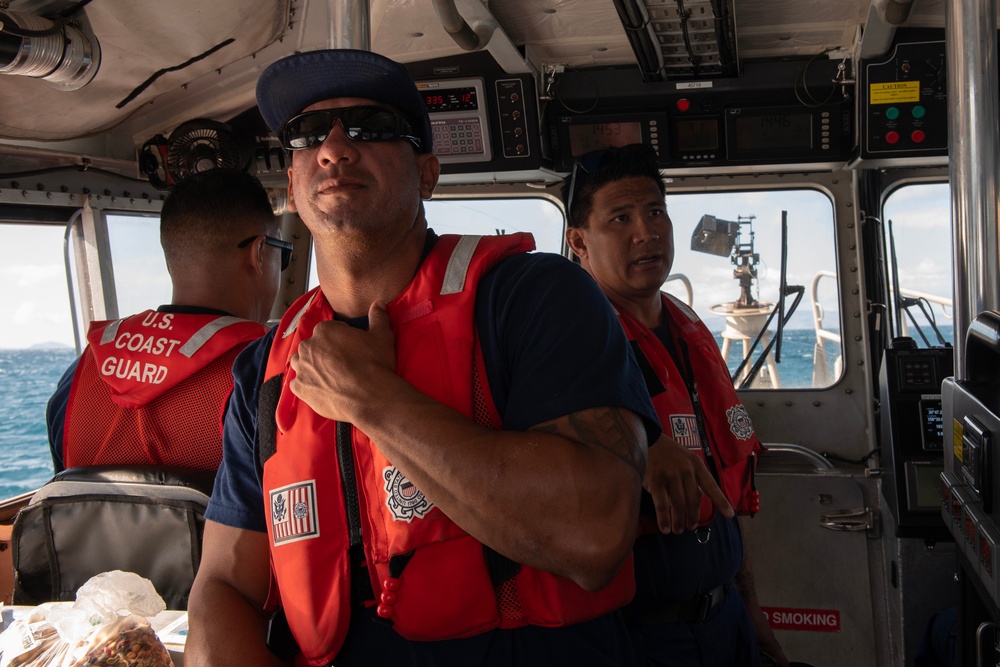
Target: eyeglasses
{"points": [[368, 123], [599, 160], [284, 246]]}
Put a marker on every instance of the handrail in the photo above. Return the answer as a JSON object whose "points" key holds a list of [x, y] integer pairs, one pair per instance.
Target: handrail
{"points": [[684, 280], [818, 312], [799, 450], [943, 302]]}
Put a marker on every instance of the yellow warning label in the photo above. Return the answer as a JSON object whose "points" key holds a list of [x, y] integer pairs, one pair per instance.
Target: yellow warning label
{"points": [[895, 92], [957, 431]]}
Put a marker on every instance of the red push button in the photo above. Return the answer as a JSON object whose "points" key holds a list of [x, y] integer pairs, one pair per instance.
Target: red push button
{"points": [[892, 137], [384, 611], [918, 136], [391, 584], [683, 104], [389, 598]]}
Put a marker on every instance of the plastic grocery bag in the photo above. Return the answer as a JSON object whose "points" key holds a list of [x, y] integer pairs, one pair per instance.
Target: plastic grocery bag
{"points": [[105, 626]]}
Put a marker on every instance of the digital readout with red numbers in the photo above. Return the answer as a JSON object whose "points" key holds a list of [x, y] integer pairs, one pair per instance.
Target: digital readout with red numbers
{"points": [[454, 99]]}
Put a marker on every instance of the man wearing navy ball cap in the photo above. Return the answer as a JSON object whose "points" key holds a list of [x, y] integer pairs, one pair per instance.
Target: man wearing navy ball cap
{"points": [[443, 482]]}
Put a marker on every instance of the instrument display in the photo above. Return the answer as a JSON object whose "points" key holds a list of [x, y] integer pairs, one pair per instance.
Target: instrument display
{"points": [[783, 132], [777, 131], [579, 135], [696, 135], [451, 99], [459, 122], [590, 137]]}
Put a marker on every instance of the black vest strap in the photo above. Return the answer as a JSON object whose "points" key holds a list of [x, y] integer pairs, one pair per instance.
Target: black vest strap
{"points": [[267, 425]]}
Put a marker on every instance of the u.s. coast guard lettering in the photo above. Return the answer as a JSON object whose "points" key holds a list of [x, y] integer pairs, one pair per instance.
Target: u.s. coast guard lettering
{"points": [[140, 342]]}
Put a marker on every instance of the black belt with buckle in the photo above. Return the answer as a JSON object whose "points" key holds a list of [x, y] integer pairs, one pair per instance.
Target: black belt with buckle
{"points": [[695, 610]]}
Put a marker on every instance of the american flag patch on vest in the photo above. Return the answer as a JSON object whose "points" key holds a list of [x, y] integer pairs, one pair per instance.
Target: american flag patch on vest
{"points": [[684, 429], [293, 512]]}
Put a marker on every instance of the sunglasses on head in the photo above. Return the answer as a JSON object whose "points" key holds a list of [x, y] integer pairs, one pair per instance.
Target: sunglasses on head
{"points": [[284, 246], [367, 123], [599, 160]]}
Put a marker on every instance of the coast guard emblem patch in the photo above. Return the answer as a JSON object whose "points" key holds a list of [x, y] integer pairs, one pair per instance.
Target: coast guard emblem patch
{"points": [[684, 429], [405, 501], [293, 512], [739, 421]]}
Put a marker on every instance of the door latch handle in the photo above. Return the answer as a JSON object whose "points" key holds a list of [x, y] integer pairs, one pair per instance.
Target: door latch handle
{"points": [[851, 521]]}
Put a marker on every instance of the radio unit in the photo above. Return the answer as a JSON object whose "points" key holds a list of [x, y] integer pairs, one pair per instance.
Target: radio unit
{"points": [[714, 125], [785, 133], [484, 119], [579, 135], [458, 119]]}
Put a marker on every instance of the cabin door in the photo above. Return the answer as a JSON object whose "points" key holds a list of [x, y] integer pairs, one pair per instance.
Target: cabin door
{"points": [[809, 550]]}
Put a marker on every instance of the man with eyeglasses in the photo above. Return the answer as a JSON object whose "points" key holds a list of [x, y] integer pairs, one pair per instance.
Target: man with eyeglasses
{"points": [[694, 586], [150, 389], [450, 432]]}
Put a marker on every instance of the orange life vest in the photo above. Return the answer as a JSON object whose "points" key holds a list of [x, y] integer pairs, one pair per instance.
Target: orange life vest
{"points": [[432, 579], [152, 389], [732, 443]]}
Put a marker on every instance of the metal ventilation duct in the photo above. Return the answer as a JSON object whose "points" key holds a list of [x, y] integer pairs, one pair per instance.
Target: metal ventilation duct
{"points": [[62, 53]]}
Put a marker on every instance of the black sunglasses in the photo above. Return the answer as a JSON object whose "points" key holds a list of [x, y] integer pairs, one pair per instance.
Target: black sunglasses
{"points": [[598, 160], [368, 123], [284, 246]]}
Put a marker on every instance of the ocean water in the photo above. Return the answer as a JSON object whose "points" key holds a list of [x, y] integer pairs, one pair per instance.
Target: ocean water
{"points": [[28, 378]]}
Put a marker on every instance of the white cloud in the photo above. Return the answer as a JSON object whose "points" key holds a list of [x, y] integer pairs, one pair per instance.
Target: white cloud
{"points": [[27, 275]]}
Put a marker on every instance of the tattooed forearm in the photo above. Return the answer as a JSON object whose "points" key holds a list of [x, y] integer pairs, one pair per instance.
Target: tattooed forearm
{"points": [[614, 429]]}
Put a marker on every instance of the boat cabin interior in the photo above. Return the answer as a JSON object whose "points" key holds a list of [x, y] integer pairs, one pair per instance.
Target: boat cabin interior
{"points": [[834, 165]]}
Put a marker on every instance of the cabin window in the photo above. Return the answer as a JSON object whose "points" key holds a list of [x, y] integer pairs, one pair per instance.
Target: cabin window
{"points": [[485, 217], [732, 279], [917, 221], [36, 347], [141, 278]]}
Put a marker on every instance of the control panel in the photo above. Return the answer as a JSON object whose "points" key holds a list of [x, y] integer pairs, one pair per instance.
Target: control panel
{"points": [[904, 102], [912, 430], [763, 118], [579, 135], [484, 119], [513, 116], [970, 506], [458, 119]]}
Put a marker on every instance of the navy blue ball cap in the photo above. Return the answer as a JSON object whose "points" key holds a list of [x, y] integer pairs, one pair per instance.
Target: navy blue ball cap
{"points": [[293, 83]]}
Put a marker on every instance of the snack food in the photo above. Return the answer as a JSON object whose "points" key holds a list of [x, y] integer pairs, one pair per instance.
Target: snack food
{"points": [[137, 646]]}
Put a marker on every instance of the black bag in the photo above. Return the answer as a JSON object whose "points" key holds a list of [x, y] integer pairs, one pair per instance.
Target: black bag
{"points": [[148, 520]]}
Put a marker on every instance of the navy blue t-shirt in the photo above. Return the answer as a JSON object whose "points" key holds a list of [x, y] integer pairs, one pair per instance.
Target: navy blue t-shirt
{"points": [[552, 346], [672, 568]]}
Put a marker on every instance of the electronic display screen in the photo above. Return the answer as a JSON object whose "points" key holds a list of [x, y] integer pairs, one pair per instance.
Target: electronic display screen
{"points": [[451, 99], [923, 485], [588, 137], [932, 423], [773, 131], [697, 135]]}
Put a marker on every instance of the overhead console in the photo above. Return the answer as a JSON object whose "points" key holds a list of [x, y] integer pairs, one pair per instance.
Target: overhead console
{"points": [[776, 114], [904, 103], [485, 121]]}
